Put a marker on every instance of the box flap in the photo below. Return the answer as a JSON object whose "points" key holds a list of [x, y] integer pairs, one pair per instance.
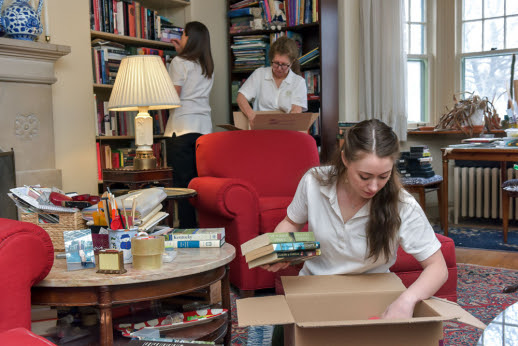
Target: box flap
{"points": [[318, 284], [275, 120], [229, 127], [341, 323], [260, 311], [453, 310]]}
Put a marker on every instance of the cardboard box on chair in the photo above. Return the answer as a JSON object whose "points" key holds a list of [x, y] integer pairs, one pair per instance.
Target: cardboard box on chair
{"points": [[273, 120], [335, 310]]}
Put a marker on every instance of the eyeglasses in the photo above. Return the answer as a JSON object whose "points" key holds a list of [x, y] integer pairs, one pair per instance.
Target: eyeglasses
{"points": [[280, 65]]}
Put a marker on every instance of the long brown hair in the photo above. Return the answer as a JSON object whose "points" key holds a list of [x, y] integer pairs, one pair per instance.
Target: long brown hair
{"points": [[197, 48], [372, 137], [286, 46]]}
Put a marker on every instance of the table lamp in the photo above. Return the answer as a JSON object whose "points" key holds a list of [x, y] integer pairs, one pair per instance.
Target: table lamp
{"points": [[143, 84]]}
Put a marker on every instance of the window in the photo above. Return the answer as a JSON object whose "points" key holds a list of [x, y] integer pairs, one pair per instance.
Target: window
{"points": [[417, 60], [488, 41]]}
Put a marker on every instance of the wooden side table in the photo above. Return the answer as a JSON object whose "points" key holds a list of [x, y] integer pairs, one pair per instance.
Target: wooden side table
{"points": [[173, 195], [137, 179]]}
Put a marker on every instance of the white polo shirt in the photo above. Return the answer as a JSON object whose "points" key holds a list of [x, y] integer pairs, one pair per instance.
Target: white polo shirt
{"points": [[194, 115], [261, 87], [344, 245]]}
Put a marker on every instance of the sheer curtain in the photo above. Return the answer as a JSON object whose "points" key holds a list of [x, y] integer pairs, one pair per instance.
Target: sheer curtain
{"points": [[382, 74]]}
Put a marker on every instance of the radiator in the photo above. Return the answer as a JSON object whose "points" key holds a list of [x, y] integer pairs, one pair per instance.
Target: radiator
{"points": [[477, 193]]}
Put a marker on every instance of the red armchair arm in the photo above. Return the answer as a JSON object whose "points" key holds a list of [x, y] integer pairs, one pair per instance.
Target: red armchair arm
{"points": [[26, 257], [229, 202], [224, 196]]}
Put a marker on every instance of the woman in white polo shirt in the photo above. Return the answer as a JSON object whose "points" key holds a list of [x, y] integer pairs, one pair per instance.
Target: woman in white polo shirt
{"points": [[192, 74], [360, 214], [277, 87]]}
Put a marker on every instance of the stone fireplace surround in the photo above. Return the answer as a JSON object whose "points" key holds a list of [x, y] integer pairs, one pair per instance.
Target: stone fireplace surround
{"points": [[26, 118]]}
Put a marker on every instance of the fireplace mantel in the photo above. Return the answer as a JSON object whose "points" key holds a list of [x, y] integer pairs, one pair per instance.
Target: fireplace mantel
{"points": [[26, 121]]}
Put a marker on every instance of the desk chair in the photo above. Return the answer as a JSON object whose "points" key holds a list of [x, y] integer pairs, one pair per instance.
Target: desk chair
{"points": [[423, 185], [506, 195]]}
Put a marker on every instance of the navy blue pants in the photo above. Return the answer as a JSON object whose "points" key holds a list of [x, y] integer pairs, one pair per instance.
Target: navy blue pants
{"points": [[181, 156]]}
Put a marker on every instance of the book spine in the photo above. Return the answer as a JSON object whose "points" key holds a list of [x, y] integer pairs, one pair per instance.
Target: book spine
{"points": [[191, 243], [205, 236], [287, 237], [295, 246]]}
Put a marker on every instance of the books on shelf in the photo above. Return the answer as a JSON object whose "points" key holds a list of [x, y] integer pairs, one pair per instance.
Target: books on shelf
{"points": [[289, 256], [275, 238], [281, 247], [177, 244], [196, 234]]}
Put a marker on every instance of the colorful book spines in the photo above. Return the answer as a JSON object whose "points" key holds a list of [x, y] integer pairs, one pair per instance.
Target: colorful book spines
{"points": [[196, 234], [280, 247], [177, 244], [286, 237]]}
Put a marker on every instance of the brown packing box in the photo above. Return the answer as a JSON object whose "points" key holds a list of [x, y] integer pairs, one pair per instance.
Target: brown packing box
{"points": [[274, 120], [335, 310]]}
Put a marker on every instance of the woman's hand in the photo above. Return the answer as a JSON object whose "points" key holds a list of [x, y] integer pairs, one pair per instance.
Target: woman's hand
{"points": [[402, 307], [176, 44], [251, 117], [276, 266]]}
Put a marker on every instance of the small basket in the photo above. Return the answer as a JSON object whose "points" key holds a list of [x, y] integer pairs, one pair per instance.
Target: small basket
{"points": [[67, 222]]}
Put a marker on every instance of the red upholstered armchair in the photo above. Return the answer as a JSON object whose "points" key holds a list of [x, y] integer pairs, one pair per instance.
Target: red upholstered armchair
{"points": [[246, 181], [26, 257]]}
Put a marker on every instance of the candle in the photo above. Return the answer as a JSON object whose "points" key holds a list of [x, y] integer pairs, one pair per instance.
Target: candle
{"points": [[47, 31]]}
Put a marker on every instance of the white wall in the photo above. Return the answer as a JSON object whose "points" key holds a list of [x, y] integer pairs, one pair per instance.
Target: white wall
{"points": [[74, 125]]}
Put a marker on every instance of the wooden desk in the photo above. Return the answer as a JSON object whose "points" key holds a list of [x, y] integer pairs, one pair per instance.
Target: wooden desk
{"points": [[132, 179], [503, 155], [190, 270]]}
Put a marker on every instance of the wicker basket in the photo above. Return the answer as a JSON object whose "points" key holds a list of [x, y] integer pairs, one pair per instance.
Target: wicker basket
{"points": [[67, 222]]}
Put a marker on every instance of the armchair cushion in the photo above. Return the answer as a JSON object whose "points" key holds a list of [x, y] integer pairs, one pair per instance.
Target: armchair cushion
{"points": [[246, 180], [22, 336]]}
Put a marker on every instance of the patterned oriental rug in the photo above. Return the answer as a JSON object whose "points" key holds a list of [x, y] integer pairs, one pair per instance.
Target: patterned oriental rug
{"points": [[479, 292]]}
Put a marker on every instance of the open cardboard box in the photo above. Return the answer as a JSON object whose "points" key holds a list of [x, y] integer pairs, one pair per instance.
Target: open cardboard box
{"points": [[273, 120], [335, 310]]}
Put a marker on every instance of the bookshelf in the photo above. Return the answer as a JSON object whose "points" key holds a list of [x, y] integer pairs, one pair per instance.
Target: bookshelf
{"points": [[172, 10], [321, 34]]}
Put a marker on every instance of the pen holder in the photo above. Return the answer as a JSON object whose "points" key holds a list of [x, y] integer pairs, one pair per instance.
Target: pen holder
{"points": [[147, 252], [121, 240]]}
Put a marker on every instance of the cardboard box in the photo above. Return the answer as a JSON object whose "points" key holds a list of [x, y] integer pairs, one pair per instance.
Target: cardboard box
{"points": [[273, 120], [335, 310]]}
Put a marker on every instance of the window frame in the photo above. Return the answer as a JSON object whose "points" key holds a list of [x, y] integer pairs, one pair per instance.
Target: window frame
{"points": [[426, 58]]}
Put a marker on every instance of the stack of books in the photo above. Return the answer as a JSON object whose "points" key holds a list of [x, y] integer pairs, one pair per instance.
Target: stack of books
{"points": [[416, 163], [270, 248], [44, 320], [195, 238]]}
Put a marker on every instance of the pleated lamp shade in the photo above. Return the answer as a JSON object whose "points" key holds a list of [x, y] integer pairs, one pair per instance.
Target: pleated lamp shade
{"points": [[143, 81]]}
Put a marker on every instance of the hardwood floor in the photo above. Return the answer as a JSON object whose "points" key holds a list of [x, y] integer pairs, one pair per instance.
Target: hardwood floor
{"points": [[490, 258]]}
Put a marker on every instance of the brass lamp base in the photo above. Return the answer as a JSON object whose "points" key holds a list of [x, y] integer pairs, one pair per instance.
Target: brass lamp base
{"points": [[144, 160]]}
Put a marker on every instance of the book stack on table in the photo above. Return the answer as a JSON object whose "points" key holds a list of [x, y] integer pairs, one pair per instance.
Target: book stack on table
{"points": [[195, 238], [44, 320], [270, 248]]}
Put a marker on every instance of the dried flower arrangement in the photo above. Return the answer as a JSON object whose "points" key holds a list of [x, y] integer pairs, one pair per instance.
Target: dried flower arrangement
{"points": [[469, 112]]}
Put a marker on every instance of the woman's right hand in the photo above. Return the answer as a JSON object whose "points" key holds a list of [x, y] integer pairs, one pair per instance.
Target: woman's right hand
{"points": [[276, 266], [251, 117], [176, 44]]}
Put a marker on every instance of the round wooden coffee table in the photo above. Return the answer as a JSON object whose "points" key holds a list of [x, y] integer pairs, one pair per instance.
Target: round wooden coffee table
{"points": [[192, 269]]}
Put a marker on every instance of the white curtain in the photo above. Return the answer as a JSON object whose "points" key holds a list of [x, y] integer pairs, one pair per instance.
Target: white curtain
{"points": [[383, 64]]}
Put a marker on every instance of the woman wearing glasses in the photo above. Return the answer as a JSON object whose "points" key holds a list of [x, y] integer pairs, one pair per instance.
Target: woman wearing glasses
{"points": [[277, 87]]}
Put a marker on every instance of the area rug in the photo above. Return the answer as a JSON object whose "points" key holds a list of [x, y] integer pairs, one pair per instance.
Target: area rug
{"points": [[479, 292], [481, 238]]}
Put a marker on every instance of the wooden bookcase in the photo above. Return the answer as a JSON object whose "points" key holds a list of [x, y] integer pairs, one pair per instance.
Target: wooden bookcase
{"points": [[173, 10], [324, 35]]}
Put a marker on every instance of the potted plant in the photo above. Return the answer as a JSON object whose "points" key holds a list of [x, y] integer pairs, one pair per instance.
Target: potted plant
{"points": [[471, 114]]}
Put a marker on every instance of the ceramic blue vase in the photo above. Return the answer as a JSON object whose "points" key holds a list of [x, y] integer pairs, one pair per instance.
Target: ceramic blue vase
{"points": [[20, 21]]}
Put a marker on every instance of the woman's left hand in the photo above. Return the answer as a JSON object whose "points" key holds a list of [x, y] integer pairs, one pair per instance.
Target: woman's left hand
{"points": [[402, 307]]}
